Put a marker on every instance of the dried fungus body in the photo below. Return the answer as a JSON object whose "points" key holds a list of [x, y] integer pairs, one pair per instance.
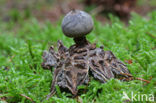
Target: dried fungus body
{"points": [[73, 65]]}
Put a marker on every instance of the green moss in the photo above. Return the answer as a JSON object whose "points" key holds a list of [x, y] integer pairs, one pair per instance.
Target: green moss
{"points": [[21, 48]]}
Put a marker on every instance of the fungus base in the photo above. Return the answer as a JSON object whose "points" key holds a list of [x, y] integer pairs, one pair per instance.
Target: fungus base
{"points": [[72, 66]]}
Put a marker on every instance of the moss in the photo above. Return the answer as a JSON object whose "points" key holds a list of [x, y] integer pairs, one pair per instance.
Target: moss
{"points": [[21, 47]]}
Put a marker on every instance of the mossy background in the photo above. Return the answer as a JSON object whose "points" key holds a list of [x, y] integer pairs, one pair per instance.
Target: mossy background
{"points": [[22, 45]]}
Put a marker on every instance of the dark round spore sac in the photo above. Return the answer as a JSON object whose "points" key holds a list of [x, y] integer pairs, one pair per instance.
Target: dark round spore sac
{"points": [[77, 24]]}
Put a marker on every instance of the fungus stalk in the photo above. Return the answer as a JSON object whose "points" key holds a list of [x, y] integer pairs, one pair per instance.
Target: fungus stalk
{"points": [[80, 41]]}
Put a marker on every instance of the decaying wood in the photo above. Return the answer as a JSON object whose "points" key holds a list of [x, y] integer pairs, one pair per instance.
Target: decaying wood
{"points": [[72, 66], [27, 98]]}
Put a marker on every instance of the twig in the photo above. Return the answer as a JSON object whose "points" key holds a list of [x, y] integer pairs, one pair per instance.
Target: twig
{"points": [[126, 74], [135, 78], [50, 95], [154, 37], [142, 80], [27, 98]]}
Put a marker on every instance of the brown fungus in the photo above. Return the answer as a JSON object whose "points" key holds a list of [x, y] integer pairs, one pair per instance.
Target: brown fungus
{"points": [[72, 65]]}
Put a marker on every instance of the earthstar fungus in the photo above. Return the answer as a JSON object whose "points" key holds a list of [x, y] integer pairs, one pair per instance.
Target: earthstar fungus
{"points": [[72, 65]]}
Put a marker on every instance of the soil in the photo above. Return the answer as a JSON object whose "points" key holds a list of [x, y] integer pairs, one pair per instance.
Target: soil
{"points": [[55, 10]]}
